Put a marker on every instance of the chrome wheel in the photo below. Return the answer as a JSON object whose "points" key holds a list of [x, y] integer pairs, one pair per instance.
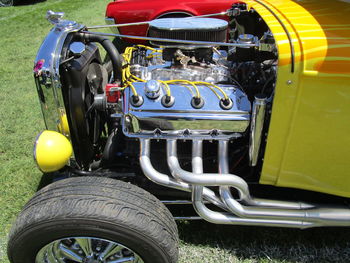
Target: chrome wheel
{"points": [[86, 250], [6, 2]]}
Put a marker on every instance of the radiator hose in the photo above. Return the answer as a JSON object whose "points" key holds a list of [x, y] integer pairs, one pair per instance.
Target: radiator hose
{"points": [[116, 58]]}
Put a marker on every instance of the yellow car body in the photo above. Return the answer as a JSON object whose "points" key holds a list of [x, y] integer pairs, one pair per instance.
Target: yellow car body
{"points": [[308, 144]]}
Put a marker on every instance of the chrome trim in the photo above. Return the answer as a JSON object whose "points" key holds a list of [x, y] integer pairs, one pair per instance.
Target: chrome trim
{"points": [[46, 72], [174, 40], [256, 127], [86, 249]]}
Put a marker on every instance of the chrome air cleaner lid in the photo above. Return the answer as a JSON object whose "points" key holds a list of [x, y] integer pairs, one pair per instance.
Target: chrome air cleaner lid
{"points": [[194, 29], [190, 23]]}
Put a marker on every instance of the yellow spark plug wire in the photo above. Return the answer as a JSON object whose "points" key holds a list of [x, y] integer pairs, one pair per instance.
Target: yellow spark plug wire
{"points": [[126, 70], [168, 92], [214, 86], [150, 48], [213, 90], [198, 95], [152, 55], [128, 78]]}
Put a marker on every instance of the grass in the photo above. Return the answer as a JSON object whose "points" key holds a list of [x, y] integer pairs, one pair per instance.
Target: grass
{"points": [[22, 29]]}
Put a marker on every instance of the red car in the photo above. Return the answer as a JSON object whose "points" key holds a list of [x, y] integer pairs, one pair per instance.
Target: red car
{"points": [[130, 11]]}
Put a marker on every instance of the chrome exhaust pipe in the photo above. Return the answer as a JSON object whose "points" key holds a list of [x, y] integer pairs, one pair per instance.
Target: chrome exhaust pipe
{"points": [[163, 179], [273, 213], [230, 219], [222, 179], [204, 179], [256, 127], [320, 216], [227, 218]]}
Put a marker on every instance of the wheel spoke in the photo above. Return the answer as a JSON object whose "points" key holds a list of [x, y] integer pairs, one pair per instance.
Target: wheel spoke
{"points": [[109, 251], [124, 260], [85, 244], [87, 249], [69, 254], [53, 254]]}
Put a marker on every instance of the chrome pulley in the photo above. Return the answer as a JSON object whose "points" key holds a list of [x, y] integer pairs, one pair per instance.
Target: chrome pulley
{"points": [[86, 250]]}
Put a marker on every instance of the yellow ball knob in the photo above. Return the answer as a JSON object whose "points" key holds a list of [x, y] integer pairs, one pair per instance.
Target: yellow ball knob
{"points": [[52, 151]]}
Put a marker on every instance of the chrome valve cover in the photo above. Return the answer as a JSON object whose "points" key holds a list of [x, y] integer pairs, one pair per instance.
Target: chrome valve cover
{"points": [[153, 120]]}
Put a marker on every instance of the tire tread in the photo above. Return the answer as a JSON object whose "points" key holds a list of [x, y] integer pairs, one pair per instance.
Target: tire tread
{"points": [[100, 199]]}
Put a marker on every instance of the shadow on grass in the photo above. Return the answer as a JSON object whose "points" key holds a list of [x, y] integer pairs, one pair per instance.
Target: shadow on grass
{"points": [[270, 244], [28, 2]]}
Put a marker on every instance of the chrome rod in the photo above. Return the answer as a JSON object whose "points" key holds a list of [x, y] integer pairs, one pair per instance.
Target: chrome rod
{"points": [[210, 15], [147, 22], [191, 42], [119, 25], [256, 127], [163, 179]]}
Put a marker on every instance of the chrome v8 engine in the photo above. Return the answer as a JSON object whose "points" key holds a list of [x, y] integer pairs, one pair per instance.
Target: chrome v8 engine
{"points": [[180, 90]]}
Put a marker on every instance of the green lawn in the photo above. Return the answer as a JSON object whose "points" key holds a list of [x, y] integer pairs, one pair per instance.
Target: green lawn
{"points": [[22, 29]]}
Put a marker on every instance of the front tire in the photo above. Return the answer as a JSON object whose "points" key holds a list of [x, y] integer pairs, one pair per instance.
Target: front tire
{"points": [[79, 219]]}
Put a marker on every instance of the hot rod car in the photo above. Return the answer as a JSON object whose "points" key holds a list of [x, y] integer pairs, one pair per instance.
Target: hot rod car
{"points": [[242, 112]]}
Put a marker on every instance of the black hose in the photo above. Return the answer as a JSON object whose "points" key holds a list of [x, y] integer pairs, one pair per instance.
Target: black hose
{"points": [[116, 58]]}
